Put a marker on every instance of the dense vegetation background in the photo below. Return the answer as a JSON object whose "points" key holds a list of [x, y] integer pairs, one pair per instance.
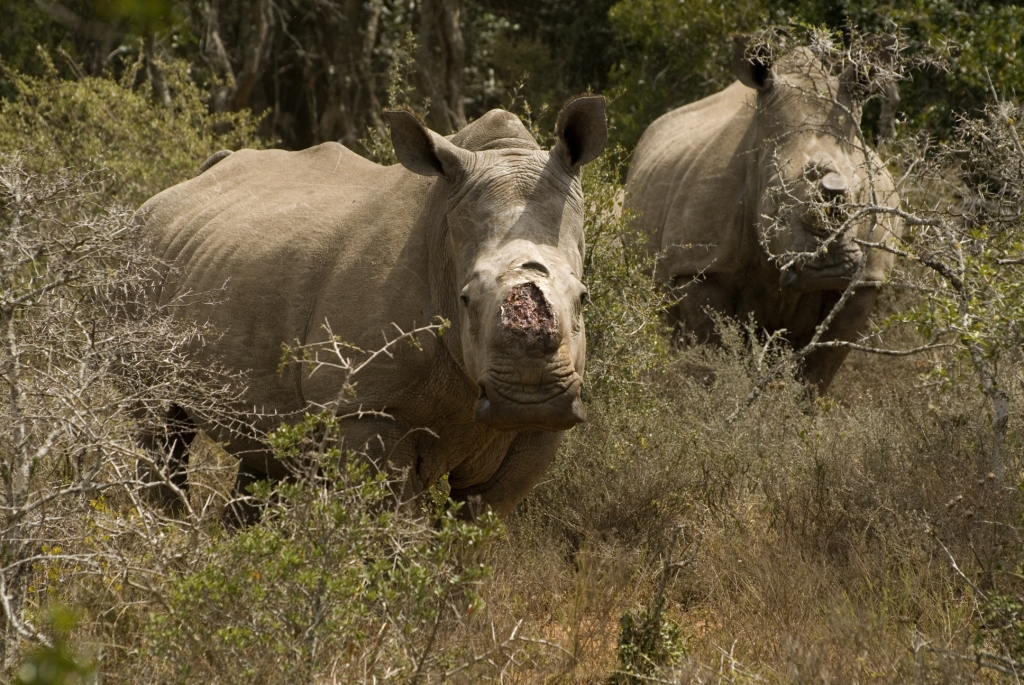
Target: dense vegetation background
{"points": [[685, 534], [316, 71]]}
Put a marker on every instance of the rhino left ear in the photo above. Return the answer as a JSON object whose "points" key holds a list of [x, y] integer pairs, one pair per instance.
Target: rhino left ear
{"points": [[422, 151], [582, 130]]}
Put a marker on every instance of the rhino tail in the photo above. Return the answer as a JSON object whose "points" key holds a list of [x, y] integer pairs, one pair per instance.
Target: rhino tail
{"points": [[213, 159]]}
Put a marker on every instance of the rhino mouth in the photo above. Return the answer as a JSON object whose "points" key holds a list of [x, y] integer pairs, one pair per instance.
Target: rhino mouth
{"points": [[509, 406], [835, 271], [804, 280]]}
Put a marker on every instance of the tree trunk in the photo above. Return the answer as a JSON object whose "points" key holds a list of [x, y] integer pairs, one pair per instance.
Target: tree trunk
{"points": [[255, 52], [155, 74], [441, 61], [212, 47], [993, 472], [366, 72], [255, 36], [887, 115]]}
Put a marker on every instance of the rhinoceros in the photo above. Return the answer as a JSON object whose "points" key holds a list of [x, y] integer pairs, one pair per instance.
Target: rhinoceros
{"points": [[732, 193], [483, 229]]}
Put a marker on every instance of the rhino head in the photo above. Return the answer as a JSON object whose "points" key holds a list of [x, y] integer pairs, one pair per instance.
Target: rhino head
{"points": [[811, 167], [515, 230]]}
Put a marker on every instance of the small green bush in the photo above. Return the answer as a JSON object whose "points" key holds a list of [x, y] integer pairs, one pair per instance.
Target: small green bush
{"points": [[647, 642], [59, 663], [102, 123], [1002, 623], [625, 330], [336, 579]]}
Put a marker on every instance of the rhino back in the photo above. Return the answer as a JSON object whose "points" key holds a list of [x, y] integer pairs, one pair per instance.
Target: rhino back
{"points": [[284, 242], [687, 183]]}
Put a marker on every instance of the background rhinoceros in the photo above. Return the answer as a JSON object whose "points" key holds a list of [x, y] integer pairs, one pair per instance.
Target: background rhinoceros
{"points": [[484, 229], [730, 191]]}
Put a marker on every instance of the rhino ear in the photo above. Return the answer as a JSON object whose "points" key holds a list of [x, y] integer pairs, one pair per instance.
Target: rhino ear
{"points": [[422, 151], [753, 67], [582, 130]]}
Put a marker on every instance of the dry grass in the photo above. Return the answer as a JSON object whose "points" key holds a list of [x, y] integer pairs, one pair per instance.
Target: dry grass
{"points": [[808, 545], [801, 540]]}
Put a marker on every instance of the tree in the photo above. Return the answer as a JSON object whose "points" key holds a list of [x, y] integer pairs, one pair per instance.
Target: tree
{"points": [[672, 53]]}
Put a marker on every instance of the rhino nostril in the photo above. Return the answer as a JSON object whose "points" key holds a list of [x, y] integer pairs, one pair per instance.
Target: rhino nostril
{"points": [[465, 299], [584, 297], [536, 266]]}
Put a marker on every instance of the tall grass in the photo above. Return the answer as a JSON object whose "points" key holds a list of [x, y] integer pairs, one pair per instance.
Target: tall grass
{"points": [[805, 541]]}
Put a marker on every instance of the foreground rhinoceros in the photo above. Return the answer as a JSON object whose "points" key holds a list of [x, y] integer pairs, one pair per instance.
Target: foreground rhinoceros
{"points": [[730, 191], [484, 229]]}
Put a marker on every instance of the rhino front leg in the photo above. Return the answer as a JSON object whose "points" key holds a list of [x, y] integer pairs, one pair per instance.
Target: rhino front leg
{"points": [[169, 454], [820, 367], [525, 463], [691, 317], [241, 510], [382, 442]]}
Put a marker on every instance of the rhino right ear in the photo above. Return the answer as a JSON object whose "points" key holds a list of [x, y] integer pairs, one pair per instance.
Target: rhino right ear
{"points": [[582, 130], [753, 67], [422, 151]]}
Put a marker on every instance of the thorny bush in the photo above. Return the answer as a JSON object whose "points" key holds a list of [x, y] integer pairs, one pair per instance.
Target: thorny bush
{"points": [[334, 582], [87, 363]]}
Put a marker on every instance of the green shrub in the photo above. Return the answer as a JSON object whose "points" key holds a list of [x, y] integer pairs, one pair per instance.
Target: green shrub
{"points": [[647, 642], [625, 331], [1003, 624], [101, 123], [58, 663], [335, 580]]}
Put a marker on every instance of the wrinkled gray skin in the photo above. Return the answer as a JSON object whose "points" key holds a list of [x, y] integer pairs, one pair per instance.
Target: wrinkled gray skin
{"points": [[484, 229], [706, 182]]}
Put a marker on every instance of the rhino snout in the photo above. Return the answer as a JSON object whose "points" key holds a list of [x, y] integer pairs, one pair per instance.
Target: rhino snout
{"points": [[822, 174], [528, 378]]}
